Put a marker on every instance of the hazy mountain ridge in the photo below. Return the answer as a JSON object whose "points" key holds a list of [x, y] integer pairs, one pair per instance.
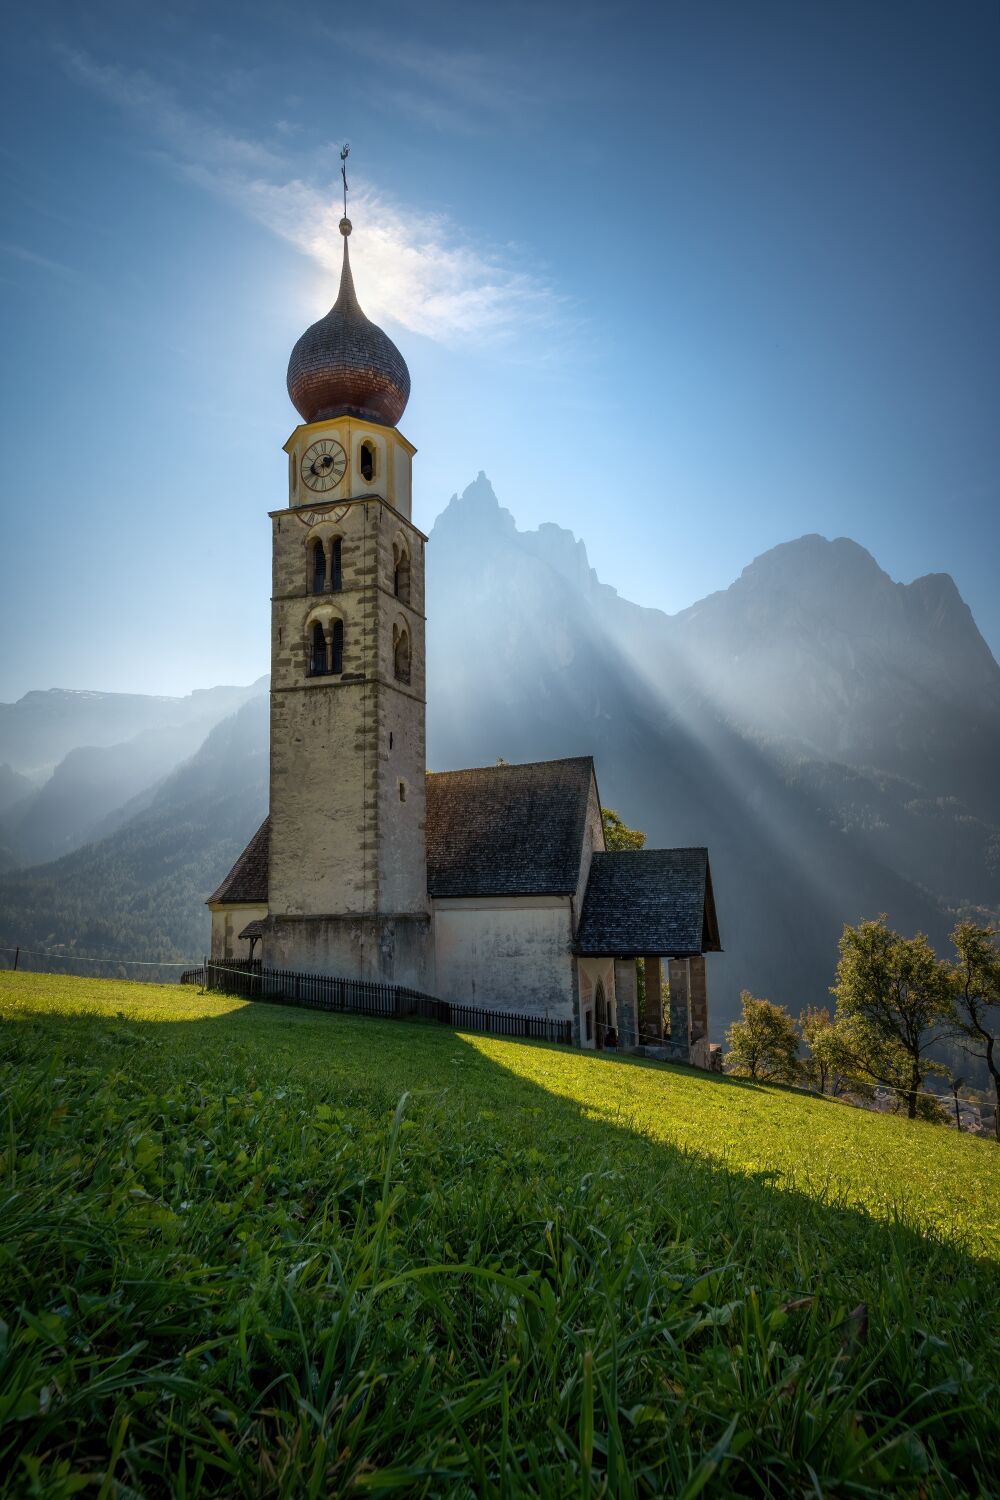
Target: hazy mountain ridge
{"points": [[814, 642], [810, 725], [42, 727], [96, 779], [140, 892]]}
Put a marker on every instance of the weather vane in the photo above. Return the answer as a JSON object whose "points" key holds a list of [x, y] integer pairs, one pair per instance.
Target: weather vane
{"points": [[344, 154]]}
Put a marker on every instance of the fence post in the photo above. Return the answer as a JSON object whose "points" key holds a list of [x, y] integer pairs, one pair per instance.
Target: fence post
{"points": [[17, 954]]}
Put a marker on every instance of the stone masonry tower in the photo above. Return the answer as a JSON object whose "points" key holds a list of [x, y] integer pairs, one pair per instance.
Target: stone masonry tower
{"points": [[348, 867]]}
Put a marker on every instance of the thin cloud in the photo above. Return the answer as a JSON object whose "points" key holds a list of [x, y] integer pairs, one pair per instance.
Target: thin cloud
{"points": [[455, 87], [42, 262], [415, 269]]}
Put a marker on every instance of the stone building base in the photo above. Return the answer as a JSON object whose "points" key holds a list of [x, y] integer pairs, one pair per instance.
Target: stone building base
{"points": [[396, 949]]}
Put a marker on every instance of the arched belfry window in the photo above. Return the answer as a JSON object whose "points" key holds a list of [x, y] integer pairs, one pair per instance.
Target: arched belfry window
{"points": [[336, 570], [337, 647], [317, 569], [366, 462], [317, 651], [401, 573], [400, 654]]}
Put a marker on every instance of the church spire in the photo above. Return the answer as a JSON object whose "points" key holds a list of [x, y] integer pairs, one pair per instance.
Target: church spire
{"points": [[345, 365]]}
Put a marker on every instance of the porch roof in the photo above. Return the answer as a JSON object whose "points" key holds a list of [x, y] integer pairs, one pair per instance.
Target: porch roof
{"points": [[649, 901]]}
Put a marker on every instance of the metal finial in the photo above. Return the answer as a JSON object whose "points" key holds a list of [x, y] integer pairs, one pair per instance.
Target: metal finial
{"points": [[345, 223]]}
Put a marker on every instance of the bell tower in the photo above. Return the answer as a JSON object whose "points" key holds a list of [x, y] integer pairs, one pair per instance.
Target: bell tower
{"points": [[348, 866]]}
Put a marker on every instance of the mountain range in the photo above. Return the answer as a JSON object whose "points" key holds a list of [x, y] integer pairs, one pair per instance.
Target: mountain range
{"points": [[831, 735]]}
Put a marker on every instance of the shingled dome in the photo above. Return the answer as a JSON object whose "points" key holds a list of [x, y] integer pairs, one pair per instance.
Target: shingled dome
{"points": [[345, 366]]}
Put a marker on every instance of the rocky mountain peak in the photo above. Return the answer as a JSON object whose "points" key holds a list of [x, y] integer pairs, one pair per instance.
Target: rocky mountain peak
{"points": [[476, 510]]}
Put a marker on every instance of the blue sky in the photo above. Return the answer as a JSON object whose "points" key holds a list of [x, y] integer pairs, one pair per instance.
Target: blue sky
{"points": [[689, 279]]}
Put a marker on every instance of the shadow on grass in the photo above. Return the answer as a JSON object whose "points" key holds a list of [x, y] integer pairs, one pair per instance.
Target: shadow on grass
{"points": [[696, 1315]]}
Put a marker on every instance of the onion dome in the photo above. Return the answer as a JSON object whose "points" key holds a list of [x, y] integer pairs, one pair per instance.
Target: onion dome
{"points": [[345, 366]]}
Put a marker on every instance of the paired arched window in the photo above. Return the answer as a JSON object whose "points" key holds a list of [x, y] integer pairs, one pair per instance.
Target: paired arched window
{"points": [[401, 573], [401, 653], [325, 568], [326, 649], [366, 462]]}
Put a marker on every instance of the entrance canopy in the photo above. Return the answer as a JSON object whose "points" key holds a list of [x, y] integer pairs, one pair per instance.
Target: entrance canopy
{"points": [[642, 901]]}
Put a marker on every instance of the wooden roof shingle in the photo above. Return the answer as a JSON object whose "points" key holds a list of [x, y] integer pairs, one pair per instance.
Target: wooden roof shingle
{"points": [[507, 830], [649, 901], [247, 880]]}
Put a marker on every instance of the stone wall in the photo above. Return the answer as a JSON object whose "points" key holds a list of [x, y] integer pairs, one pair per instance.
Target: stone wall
{"points": [[680, 1006], [391, 950], [347, 750], [627, 1000]]}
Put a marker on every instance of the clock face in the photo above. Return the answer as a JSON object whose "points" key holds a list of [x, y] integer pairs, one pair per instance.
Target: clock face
{"points": [[314, 517], [323, 465]]}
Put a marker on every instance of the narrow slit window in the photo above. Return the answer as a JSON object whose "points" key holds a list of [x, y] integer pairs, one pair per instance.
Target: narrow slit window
{"points": [[401, 655], [336, 571], [318, 568], [317, 653], [337, 648], [402, 791], [367, 464]]}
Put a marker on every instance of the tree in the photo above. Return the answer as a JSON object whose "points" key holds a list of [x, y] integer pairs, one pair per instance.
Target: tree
{"points": [[975, 976], [763, 1044], [894, 1001], [817, 1030], [617, 834]]}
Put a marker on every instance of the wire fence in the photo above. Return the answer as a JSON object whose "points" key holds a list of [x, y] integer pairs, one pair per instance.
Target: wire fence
{"points": [[60, 961]]}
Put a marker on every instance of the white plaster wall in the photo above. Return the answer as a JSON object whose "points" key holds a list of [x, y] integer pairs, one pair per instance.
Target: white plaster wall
{"points": [[508, 953], [227, 923]]}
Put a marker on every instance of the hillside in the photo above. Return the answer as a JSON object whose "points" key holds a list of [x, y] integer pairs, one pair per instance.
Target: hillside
{"points": [[380, 1255], [90, 755], [140, 892]]}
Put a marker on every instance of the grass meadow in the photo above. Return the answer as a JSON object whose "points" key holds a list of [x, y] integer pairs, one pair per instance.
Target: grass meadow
{"points": [[252, 1251]]}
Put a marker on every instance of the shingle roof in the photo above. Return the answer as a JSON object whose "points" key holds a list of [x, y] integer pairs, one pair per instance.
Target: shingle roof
{"points": [[507, 830], [649, 901], [247, 880]]}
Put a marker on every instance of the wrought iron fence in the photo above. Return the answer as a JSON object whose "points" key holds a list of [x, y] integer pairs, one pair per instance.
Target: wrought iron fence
{"points": [[363, 997]]}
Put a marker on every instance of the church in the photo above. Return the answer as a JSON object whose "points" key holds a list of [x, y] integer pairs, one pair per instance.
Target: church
{"points": [[490, 886]]}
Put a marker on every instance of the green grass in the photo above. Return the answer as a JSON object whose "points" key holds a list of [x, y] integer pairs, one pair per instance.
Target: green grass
{"points": [[250, 1251]]}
